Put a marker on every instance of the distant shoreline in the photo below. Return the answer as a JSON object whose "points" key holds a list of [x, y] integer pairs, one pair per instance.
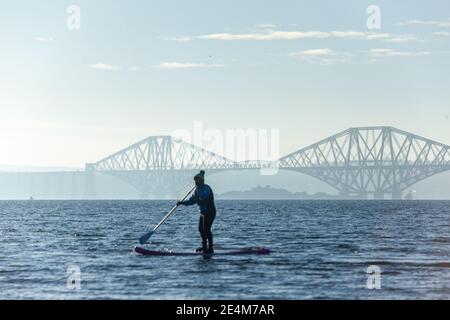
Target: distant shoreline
{"points": [[269, 193]]}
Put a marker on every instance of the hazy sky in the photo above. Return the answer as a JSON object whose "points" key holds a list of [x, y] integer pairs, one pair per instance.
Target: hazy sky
{"points": [[140, 68]]}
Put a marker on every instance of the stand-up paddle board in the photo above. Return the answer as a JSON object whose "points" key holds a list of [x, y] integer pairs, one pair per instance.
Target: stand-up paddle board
{"points": [[232, 252]]}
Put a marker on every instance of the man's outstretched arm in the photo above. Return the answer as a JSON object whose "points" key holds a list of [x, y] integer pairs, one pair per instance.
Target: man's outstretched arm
{"points": [[188, 202]]}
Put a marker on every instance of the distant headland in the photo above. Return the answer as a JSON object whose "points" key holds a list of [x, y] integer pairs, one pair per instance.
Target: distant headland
{"points": [[268, 192]]}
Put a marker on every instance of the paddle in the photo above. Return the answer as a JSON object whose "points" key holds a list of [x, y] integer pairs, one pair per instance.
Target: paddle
{"points": [[147, 236]]}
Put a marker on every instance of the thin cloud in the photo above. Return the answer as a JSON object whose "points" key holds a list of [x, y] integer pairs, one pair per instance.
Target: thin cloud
{"points": [[327, 56], [280, 35], [273, 35], [103, 66], [44, 39], [383, 52], [401, 38], [322, 56], [177, 39], [185, 65], [266, 26], [323, 52], [442, 33], [435, 23]]}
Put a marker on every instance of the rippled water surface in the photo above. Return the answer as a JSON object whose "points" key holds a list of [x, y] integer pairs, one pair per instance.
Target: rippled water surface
{"points": [[321, 250]]}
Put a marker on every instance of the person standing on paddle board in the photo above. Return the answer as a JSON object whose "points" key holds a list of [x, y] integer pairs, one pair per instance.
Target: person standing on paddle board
{"points": [[203, 196]]}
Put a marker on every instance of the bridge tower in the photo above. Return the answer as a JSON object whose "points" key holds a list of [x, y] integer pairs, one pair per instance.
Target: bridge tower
{"points": [[160, 166], [376, 161]]}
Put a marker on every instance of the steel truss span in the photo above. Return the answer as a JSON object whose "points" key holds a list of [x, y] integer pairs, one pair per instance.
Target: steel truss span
{"points": [[358, 161], [371, 160]]}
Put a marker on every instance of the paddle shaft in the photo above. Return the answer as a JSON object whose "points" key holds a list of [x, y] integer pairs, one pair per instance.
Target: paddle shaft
{"points": [[172, 210]]}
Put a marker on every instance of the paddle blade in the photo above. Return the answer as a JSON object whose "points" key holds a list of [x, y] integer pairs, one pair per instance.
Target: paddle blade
{"points": [[145, 237]]}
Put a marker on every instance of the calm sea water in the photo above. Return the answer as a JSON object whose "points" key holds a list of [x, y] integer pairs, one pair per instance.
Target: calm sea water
{"points": [[321, 250]]}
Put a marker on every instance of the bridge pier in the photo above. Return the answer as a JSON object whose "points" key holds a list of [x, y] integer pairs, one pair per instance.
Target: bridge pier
{"points": [[344, 194], [397, 195], [89, 182], [143, 195], [378, 195], [74, 192], [362, 195]]}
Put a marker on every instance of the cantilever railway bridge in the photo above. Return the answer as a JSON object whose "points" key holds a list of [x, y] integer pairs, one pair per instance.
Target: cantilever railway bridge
{"points": [[356, 162]]}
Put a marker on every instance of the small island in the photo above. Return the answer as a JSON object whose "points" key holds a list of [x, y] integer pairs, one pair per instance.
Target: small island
{"points": [[267, 192]]}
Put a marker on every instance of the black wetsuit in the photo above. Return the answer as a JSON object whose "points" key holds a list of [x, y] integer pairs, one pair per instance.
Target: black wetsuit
{"points": [[203, 196]]}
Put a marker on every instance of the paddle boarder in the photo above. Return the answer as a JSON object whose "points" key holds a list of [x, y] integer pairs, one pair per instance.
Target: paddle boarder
{"points": [[203, 196]]}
